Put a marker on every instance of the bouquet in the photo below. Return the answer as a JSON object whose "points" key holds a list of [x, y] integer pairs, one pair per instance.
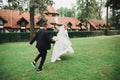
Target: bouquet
{"points": [[55, 38]]}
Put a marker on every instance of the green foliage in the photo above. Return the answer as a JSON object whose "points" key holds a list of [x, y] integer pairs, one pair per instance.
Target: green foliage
{"points": [[113, 32], [115, 8], [20, 5], [37, 5], [113, 4], [66, 12], [88, 9], [95, 58], [16, 37], [40, 5], [85, 33]]}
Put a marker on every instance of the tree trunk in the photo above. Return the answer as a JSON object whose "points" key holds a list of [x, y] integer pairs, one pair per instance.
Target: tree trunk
{"points": [[107, 15], [86, 9], [113, 16], [32, 32], [99, 13]]}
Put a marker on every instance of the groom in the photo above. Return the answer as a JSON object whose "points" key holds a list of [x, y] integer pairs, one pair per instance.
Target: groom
{"points": [[43, 41]]}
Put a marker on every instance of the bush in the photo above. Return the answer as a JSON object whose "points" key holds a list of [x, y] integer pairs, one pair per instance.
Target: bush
{"points": [[113, 32], [85, 33], [24, 36], [53, 33], [14, 37]]}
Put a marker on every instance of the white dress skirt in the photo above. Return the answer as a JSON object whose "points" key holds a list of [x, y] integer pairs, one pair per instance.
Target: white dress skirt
{"points": [[62, 45]]}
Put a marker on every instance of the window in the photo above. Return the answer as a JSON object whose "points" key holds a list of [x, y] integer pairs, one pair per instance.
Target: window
{"points": [[40, 23], [1, 22], [53, 15], [69, 25], [23, 24]]}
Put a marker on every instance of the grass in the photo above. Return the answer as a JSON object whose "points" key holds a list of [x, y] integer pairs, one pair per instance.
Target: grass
{"points": [[95, 58]]}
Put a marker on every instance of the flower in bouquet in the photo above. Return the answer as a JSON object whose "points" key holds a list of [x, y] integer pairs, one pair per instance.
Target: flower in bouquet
{"points": [[55, 38]]}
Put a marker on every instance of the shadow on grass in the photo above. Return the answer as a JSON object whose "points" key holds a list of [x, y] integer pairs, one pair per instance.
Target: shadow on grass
{"points": [[66, 57]]}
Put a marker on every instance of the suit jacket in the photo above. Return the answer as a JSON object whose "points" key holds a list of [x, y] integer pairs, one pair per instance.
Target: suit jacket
{"points": [[43, 40]]}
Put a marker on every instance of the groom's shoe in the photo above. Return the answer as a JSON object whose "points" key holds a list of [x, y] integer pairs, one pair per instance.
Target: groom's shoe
{"points": [[33, 64], [39, 70]]}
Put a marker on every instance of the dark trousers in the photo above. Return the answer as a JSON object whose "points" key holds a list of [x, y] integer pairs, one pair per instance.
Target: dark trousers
{"points": [[42, 54]]}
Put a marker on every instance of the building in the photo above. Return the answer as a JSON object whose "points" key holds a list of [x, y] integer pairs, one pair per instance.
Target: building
{"points": [[15, 21], [94, 24]]}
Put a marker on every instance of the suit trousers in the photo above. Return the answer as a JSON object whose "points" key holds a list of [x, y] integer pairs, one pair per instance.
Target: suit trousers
{"points": [[42, 54]]}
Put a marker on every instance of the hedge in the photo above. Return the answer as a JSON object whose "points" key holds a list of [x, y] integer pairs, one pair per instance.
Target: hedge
{"points": [[85, 33], [113, 32], [15, 37]]}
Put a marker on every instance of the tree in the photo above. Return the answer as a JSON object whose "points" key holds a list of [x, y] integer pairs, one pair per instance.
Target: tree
{"points": [[16, 5], [87, 9], [66, 12], [81, 14], [38, 5], [113, 4], [101, 5], [1, 4], [115, 7]]}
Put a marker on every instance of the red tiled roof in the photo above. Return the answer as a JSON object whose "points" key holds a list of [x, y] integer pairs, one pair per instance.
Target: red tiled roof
{"points": [[95, 23], [52, 10], [5, 14], [50, 19], [75, 27], [36, 19], [12, 18], [25, 15], [3, 19], [66, 20]]}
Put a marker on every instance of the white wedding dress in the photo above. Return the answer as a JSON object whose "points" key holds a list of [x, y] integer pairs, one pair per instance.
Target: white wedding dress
{"points": [[62, 44]]}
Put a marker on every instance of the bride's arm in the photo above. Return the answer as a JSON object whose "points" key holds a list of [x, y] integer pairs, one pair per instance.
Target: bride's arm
{"points": [[57, 28], [67, 34]]}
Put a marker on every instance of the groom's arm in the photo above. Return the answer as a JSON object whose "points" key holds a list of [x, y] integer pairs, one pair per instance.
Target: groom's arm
{"points": [[49, 38], [32, 41]]}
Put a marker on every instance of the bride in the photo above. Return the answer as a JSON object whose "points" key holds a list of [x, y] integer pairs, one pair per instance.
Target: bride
{"points": [[62, 44]]}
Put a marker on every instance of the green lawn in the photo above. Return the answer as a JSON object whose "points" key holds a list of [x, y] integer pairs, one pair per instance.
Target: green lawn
{"points": [[95, 58]]}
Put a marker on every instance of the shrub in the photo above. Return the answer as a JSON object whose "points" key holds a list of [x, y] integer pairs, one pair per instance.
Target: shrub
{"points": [[14, 37], [24, 36], [113, 32], [85, 33]]}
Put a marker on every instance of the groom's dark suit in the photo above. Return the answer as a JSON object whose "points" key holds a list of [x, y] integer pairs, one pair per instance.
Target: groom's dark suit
{"points": [[43, 42]]}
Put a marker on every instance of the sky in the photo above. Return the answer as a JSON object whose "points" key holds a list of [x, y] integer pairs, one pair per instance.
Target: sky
{"points": [[63, 3], [5, 2]]}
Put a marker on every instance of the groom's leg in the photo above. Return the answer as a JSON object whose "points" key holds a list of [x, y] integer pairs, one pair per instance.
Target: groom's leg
{"points": [[43, 57], [38, 56]]}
